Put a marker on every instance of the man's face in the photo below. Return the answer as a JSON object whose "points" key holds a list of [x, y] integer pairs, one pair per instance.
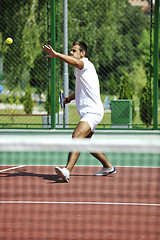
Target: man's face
{"points": [[75, 52]]}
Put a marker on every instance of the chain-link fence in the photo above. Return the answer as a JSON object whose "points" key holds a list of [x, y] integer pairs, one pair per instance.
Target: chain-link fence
{"points": [[119, 38], [119, 35], [24, 80]]}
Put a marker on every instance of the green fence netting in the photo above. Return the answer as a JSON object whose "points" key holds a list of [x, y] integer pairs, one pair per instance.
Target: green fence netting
{"points": [[120, 41]]}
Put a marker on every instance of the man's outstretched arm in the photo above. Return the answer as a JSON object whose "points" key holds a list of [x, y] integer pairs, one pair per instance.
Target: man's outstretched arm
{"points": [[68, 59]]}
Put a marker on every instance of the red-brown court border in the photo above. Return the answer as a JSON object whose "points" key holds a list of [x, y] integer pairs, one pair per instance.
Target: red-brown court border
{"points": [[37, 216]]}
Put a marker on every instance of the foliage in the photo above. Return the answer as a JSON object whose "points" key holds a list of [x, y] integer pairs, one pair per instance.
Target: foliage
{"points": [[116, 33], [48, 100], [28, 103], [25, 22], [159, 69], [146, 104], [38, 75], [125, 91], [11, 98], [111, 36], [138, 78], [113, 43]]}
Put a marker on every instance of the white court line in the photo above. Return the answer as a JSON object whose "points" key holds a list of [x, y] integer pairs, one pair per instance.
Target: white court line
{"points": [[84, 203], [8, 169]]}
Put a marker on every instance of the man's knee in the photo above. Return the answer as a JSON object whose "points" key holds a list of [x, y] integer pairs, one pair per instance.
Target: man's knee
{"points": [[82, 130]]}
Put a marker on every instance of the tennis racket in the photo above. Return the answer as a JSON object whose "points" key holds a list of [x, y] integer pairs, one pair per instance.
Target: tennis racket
{"points": [[62, 99], [63, 105]]}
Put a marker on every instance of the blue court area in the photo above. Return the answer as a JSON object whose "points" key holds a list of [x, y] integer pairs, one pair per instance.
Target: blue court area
{"points": [[145, 148]]}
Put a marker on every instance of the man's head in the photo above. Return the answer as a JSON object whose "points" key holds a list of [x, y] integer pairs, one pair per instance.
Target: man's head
{"points": [[79, 50]]}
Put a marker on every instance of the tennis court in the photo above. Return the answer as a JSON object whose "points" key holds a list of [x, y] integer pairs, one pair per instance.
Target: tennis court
{"points": [[36, 204]]}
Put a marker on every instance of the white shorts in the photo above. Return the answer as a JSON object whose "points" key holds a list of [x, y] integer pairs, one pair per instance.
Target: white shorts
{"points": [[93, 119]]}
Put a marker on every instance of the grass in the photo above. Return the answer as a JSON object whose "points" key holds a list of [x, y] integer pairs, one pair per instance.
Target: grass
{"points": [[25, 121], [11, 120]]}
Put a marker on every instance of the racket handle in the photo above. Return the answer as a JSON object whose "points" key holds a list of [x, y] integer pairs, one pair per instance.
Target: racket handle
{"points": [[67, 101]]}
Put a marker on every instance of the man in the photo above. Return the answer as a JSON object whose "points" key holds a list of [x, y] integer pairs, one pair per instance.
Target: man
{"points": [[88, 102]]}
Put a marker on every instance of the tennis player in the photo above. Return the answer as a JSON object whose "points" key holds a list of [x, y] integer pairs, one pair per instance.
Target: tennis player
{"points": [[88, 102]]}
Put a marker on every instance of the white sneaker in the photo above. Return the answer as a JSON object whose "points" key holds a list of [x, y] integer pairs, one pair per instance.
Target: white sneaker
{"points": [[63, 173], [105, 171]]}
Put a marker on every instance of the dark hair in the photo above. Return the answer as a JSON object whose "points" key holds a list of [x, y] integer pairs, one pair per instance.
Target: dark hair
{"points": [[82, 46]]}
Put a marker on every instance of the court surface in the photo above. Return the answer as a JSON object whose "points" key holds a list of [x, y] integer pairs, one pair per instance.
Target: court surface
{"points": [[36, 204]]}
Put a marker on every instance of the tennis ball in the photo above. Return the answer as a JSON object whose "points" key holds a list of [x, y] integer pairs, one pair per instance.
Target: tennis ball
{"points": [[9, 40]]}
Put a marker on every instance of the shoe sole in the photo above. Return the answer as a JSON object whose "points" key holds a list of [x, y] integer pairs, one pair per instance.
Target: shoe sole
{"points": [[105, 174], [60, 174], [110, 173]]}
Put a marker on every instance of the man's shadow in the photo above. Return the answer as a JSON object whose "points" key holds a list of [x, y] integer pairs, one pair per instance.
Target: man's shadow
{"points": [[53, 178]]}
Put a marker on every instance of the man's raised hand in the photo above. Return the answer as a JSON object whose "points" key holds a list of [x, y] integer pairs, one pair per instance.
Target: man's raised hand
{"points": [[48, 49]]}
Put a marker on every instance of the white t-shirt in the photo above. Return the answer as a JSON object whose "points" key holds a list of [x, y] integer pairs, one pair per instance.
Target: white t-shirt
{"points": [[87, 91]]}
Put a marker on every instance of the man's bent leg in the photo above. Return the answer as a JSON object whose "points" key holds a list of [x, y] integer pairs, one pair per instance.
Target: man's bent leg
{"points": [[81, 131], [100, 156]]}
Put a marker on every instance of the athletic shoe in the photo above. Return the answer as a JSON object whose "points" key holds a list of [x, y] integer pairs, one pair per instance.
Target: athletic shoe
{"points": [[63, 173], [105, 171]]}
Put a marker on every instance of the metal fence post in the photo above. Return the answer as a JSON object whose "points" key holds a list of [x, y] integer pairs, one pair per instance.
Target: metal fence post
{"points": [[155, 66], [65, 71], [53, 63]]}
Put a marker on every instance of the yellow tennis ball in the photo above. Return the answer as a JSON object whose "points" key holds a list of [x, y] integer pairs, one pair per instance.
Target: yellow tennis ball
{"points": [[9, 40]]}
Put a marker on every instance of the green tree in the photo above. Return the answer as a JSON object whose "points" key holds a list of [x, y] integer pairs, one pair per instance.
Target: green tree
{"points": [[138, 78], [159, 70], [38, 75], [113, 31], [146, 104], [25, 22], [125, 91], [48, 100], [12, 17], [28, 103], [110, 34]]}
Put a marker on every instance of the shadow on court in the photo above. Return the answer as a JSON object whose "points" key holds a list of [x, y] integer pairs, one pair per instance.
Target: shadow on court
{"points": [[53, 178], [50, 177]]}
